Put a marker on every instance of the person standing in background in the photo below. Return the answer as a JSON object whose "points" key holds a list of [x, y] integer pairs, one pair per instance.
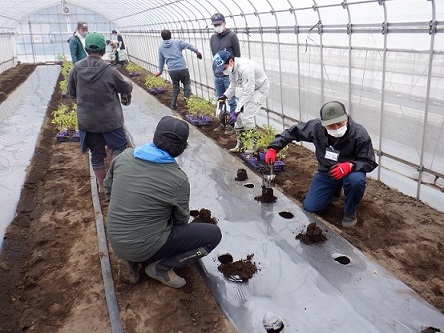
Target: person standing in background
{"points": [[223, 40], [96, 86], [77, 42], [121, 57], [170, 51]]}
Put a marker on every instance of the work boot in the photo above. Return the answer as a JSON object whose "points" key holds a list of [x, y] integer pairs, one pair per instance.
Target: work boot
{"points": [[167, 277], [127, 271], [219, 128], [229, 130], [100, 177], [349, 221]]}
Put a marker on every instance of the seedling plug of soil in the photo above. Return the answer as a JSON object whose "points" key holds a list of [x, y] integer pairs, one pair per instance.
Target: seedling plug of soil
{"points": [[204, 216], [241, 175], [313, 235], [237, 271], [267, 195]]}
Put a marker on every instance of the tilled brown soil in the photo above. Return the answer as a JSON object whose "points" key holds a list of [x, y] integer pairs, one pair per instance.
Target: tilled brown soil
{"points": [[50, 278]]}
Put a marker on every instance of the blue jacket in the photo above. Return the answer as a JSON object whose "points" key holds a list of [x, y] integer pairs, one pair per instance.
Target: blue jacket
{"points": [[170, 51]]}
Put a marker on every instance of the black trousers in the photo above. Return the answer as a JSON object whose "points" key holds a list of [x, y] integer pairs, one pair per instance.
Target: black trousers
{"points": [[185, 237]]}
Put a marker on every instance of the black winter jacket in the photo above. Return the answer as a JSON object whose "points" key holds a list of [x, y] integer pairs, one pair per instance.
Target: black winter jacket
{"points": [[96, 85], [226, 40], [355, 146]]}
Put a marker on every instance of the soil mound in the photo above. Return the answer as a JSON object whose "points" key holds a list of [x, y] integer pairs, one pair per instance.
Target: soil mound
{"points": [[313, 235], [238, 271], [267, 196], [241, 175], [204, 216]]}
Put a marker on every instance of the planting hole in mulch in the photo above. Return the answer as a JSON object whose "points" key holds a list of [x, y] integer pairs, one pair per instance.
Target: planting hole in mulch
{"points": [[272, 323], [431, 330], [241, 175], [238, 271], [267, 196], [344, 260], [194, 212], [225, 258], [286, 215], [249, 185], [313, 235], [204, 216]]}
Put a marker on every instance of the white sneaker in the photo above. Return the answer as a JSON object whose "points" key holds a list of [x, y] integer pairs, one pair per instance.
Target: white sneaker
{"points": [[349, 221]]}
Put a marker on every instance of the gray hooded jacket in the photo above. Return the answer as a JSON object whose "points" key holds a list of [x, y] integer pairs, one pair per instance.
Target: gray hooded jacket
{"points": [[96, 85]]}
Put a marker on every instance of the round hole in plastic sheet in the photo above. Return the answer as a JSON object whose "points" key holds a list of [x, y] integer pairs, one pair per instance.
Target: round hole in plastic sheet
{"points": [[225, 258], [194, 212], [343, 260], [286, 215]]}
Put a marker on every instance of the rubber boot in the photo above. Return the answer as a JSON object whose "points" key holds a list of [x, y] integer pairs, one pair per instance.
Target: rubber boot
{"points": [[100, 176], [163, 272], [239, 144]]}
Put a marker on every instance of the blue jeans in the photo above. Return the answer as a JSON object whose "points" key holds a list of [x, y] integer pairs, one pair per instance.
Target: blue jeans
{"points": [[221, 84], [323, 187]]}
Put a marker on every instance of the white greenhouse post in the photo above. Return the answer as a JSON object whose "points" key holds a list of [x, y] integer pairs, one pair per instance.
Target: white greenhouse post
{"points": [[257, 14], [279, 66], [349, 32], [384, 65], [296, 31], [432, 33], [321, 49]]}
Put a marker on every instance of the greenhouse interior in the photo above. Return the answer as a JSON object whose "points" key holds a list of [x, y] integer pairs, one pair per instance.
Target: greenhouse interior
{"points": [[381, 61]]}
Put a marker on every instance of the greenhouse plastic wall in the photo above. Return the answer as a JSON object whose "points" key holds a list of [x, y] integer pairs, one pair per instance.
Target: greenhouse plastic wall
{"points": [[383, 59]]}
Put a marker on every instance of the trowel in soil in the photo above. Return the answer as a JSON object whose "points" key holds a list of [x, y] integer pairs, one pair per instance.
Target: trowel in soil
{"points": [[269, 177], [221, 111]]}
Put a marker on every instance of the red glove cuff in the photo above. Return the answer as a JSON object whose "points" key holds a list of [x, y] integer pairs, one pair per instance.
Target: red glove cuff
{"points": [[340, 170], [270, 155]]}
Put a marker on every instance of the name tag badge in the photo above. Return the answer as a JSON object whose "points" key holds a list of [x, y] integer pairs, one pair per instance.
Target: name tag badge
{"points": [[332, 154]]}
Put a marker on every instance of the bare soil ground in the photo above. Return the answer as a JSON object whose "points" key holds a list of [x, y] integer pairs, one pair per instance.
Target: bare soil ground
{"points": [[50, 277]]}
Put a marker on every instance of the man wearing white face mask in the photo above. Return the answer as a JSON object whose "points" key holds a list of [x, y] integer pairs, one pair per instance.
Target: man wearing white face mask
{"points": [[345, 155], [249, 84], [223, 39], [77, 42]]}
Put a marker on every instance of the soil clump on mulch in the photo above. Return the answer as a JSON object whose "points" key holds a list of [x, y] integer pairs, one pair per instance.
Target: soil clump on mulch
{"points": [[241, 175], [313, 235], [267, 195], [204, 216], [238, 271]]}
